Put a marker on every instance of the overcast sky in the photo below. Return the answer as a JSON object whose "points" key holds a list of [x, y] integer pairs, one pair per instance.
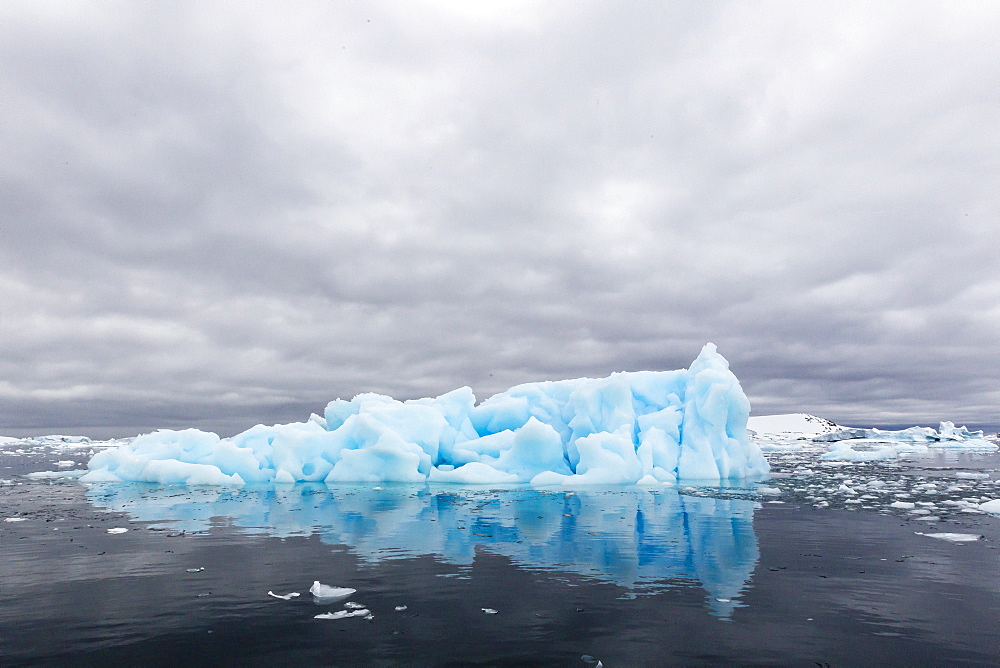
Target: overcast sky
{"points": [[216, 214]]}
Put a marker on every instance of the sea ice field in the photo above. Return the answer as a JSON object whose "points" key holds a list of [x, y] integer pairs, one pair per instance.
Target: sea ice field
{"points": [[839, 545]]}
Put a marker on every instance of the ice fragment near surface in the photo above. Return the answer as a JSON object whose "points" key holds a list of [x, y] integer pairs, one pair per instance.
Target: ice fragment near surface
{"points": [[648, 426], [326, 592], [953, 537], [343, 614], [285, 597]]}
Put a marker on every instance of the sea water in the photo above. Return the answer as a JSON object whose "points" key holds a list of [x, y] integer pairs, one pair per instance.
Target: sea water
{"points": [[783, 572]]}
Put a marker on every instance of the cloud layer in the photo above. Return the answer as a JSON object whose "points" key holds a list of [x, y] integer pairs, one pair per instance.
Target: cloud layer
{"points": [[218, 215]]}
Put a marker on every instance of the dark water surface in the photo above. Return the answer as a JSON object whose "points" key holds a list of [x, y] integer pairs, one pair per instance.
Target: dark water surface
{"points": [[629, 577]]}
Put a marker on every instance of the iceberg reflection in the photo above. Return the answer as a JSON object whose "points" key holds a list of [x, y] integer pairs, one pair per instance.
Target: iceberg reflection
{"points": [[641, 539]]}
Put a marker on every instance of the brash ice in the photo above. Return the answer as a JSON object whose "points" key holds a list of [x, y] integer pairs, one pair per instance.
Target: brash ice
{"points": [[643, 427]]}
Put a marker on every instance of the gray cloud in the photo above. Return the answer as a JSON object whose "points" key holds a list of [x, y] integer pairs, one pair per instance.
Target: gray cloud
{"points": [[216, 216]]}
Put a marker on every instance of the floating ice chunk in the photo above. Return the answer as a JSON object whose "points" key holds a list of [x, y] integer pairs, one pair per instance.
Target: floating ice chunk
{"points": [[344, 614], [843, 452], [66, 463], [771, 491], [952, 537], [351, 605], [328, 593], [902, 505], [490, 611], [972, 475], [53, 475], [286, 597], [117, 530], [841, 435], [916, 438], [400, 608], [947, 431], [992, 507], [195, 570], [15, 519]]}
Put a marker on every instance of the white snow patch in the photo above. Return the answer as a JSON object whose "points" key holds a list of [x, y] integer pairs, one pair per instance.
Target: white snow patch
{"points": [[794, 425]]}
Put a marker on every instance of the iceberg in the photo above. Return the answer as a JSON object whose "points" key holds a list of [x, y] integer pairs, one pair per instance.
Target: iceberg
{"points": [[909, 441], [648, 427], [946, 432]]}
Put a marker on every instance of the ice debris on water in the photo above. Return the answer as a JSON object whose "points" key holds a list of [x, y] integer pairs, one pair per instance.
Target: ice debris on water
{"points": [[285, 597], [344, 614], [326, 592], [874, 480], [400, 608], [15, 519], [991, 506], [490, 611], [351, 605], [641, 427], [953, 537], [117, 530], [195, 570]]}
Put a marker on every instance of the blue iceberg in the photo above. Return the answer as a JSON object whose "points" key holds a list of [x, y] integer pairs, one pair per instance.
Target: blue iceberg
{"points": [[644, 427]]}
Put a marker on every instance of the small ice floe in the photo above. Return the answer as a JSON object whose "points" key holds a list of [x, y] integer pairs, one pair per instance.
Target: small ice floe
{"points": [[284, 597], [952, 537], [972, 476], [327, 593], [723, 600], [195, 570], [992, 507], [490, 611], [66, 463], [351, 605], [771, 491], [344, 614], [54, 475], [15, 519], [117, 530], [400, 608], [902, 505]]}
